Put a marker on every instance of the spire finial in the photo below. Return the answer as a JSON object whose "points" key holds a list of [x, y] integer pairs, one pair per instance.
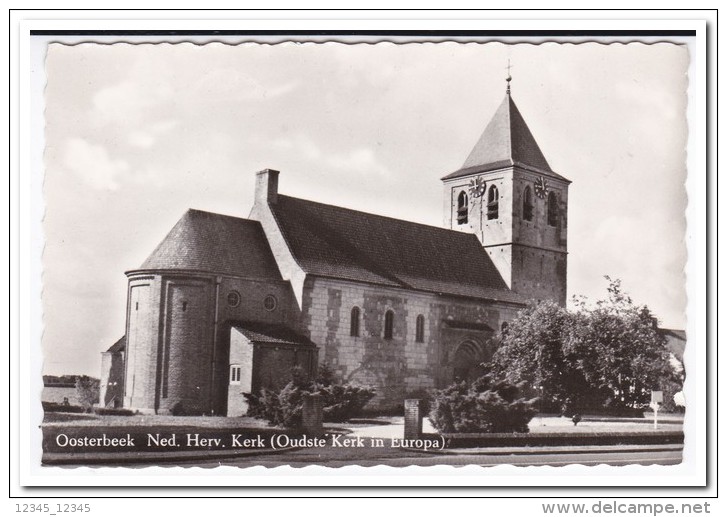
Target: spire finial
{"points": [[509, 77]]}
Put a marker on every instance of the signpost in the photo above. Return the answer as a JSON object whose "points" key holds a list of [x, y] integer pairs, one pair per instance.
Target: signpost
{"points": [[657, 397]]}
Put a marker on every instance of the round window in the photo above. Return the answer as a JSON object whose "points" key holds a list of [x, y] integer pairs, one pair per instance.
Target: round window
{"points": [[270, 302], [233, 299]]}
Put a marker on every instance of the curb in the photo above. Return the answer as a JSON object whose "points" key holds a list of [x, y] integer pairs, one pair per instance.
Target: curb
{"points": [[530, 451]]}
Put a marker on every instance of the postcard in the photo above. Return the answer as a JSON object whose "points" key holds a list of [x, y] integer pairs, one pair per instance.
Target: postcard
{"points": [[343, 251]]}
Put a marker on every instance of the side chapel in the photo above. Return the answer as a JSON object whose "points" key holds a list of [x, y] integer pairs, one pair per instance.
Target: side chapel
{"points": [[227, 305]]}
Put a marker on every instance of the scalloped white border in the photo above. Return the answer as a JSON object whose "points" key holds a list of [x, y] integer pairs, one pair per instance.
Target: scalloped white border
{"points": [[27, 293]]}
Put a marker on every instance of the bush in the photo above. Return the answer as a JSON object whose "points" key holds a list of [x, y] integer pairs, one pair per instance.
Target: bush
{"points": [[484, 406], [114, 411], [284, 408], [88, 390], [182, 408], [55, 407], [341, 401]]}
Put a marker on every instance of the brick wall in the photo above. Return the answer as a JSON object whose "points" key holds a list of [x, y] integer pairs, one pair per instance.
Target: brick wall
{"points": [[142, 338], [186, 354]]}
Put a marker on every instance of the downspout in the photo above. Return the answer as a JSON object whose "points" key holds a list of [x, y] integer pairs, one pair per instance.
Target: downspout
{"points": [[213, 390]]}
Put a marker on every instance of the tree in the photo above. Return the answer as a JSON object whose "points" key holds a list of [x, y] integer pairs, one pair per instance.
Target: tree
{"points": [[532, 351], [620, 350], [608, 355], [88, 391]]}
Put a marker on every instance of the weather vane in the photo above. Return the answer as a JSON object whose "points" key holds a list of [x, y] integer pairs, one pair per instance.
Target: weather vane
{"points": [[509, 77]]}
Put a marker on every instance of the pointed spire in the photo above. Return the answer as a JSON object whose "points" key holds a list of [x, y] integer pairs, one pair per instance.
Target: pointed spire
{"points": [[505, 142]]}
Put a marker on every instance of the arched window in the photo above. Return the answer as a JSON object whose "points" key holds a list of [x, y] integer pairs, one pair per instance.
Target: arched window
{"points": [[462, 208], [389, 324], [420, 329], [355, 318], [528, 204], [493, 203], [552, 209]]}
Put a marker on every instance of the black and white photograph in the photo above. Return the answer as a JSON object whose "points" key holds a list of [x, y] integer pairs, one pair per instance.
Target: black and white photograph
{"points": [[359, 251]]}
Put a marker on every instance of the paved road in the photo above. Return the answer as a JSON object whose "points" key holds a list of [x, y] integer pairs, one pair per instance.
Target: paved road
{"points": [[330, 457]]}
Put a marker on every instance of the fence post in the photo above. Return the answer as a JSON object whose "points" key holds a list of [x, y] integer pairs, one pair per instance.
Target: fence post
{"points": [[413, 418]]}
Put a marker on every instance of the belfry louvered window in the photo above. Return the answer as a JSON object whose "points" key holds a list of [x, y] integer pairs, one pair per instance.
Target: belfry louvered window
{"points": [[552, 209], [528, 204], [462, 208], [493, 203]]}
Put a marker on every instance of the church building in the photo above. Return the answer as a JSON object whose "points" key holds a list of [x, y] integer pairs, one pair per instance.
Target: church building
{"points": [[228, 305]]}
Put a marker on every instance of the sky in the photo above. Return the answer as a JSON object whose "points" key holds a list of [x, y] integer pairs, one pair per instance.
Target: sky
{"points": [[137, 134]]}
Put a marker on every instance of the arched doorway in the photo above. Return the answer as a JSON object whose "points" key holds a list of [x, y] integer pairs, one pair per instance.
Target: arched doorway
{"points": [[467, 361]]}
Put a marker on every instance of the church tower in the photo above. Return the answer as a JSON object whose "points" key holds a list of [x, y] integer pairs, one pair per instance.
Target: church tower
{"points": [[507, 195]]}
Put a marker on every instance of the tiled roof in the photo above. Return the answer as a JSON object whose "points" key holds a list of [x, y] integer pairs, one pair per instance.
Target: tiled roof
{"points": [[271, 333], [336, 242], [203, 241], [119, 346], [505, 142]]}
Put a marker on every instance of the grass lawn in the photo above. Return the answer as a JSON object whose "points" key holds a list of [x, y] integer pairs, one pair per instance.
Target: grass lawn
{"points": [[211, 422], [393, 425], [554, 424]]}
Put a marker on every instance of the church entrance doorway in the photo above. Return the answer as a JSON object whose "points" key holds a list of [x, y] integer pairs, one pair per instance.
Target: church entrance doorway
{"points": [[467, 362]]}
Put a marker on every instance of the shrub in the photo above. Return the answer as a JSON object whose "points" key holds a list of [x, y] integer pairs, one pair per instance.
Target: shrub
{"points": [[55, 407], [182, 408], [485, 406], [341, 401], [284, 408], [114, 411], [88, 390]]}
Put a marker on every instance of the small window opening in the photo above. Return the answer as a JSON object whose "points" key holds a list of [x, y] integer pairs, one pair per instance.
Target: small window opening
{"points": [[420, 329], [184, 306], [235, 373], [270, 303], [355, 318], [389, 324]]}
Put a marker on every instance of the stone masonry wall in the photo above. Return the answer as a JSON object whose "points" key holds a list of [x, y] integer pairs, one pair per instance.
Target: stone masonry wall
{"points": [[401, 365]]}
